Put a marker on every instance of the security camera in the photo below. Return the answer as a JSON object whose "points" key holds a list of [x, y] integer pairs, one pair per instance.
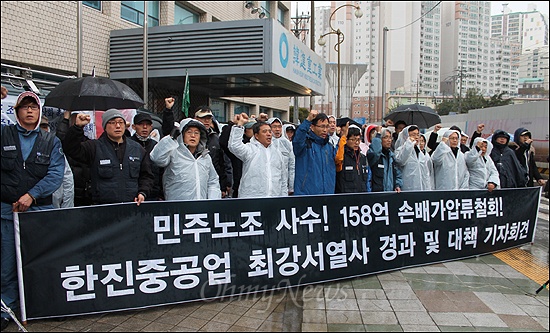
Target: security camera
{"points": [[248, 4], [262, 15]]}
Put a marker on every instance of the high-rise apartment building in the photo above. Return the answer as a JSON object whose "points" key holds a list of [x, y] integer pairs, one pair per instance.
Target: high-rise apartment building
{"points": [[529, 28], [432, 49]]}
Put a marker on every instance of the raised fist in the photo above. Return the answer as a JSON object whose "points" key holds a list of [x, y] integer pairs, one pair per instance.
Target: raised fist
{"points": [[169, 102]]}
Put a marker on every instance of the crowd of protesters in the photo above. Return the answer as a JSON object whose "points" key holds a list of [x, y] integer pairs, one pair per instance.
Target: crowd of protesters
{"points": [[250, 157]]}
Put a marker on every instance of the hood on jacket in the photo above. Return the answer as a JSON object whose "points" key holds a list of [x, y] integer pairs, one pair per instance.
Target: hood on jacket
{"points": [[489, 145], [271, 120], [403, 136], [500, 133], [20, 98], [285, 126], [190, 122], [519, 132], [369, 129], [448, 133]]}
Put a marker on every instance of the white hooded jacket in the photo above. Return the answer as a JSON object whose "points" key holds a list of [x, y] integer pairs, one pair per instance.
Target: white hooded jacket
{"points": [[450, 172], [417, 169], [186, 177], [264, 168], [482, 170], [285, 147]]}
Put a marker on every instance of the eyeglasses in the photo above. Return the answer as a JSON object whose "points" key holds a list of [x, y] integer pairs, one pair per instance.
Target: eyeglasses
{"points": [[117, 122], [32, 107], [322, 126], [193, 133]]}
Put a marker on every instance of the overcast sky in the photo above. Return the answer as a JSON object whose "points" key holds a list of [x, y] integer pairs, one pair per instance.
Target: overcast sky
{"points": [[496, 6]]}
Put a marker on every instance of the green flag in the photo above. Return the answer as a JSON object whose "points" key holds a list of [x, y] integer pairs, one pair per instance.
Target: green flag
{"points": [[186, 101]]}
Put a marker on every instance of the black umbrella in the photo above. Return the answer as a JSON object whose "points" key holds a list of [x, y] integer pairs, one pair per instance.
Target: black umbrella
{"points": [[414, 114], [340, 122], [93, 93]]}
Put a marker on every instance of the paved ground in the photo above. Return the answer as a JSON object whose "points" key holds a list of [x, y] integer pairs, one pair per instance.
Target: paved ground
{"points": [[478, 294]]}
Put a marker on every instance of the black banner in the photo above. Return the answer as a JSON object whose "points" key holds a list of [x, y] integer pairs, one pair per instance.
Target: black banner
{"points": [[115, 257]]}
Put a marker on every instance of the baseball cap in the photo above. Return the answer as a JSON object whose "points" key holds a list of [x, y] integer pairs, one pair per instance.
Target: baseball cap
{"points": [[44, 122], [526, 132], [203, 112], [249, 124], [142, 116], [26, 94]]}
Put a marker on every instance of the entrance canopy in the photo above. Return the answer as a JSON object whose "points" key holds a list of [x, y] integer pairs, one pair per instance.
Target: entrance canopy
{"points": [[248, 58]]}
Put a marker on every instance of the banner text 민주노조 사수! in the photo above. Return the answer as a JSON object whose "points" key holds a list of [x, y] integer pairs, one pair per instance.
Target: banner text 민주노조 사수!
{"points": [[116, 257]]}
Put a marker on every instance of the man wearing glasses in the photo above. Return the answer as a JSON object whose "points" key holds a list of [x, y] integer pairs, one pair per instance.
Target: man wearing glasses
{"points": [[315, 171], [120, 168], [32, 169]]}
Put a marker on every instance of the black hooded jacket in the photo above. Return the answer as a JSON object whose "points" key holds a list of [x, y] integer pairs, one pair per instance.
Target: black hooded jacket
{"points": [[511, 173], [526, 157]]}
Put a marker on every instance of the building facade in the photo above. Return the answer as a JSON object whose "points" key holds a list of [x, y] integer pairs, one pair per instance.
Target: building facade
{"points": [[49, 48], [433, 49]]}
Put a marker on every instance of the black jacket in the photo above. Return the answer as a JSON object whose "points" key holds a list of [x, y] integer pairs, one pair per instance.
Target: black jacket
{"points": [[157, 192], [511, 173], [81, 171], [353, 176], [526, 157], [18, 175], [132, 166]]}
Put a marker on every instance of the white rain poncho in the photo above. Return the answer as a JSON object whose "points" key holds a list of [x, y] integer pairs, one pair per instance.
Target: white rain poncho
{"points": [[416, 167], [450, 172], [285, 126], [285, 147], [334, 138], [482, 169], [263, 168], [186, 177]]}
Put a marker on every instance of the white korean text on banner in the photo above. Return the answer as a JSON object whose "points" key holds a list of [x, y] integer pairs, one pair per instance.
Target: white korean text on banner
{"points": [[117, 257]]}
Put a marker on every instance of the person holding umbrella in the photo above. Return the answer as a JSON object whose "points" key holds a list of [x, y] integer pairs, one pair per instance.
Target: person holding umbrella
{"points": [[413, 162], [120, 168]]}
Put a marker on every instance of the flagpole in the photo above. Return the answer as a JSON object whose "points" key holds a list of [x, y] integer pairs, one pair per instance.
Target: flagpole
{"points": [[145, 60], [186, 101]]}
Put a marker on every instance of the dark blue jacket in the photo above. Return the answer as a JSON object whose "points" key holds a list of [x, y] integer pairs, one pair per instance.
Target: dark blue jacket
{"points": [[315, 171]]}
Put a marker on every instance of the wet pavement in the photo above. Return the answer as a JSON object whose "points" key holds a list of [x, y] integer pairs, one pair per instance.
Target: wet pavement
{"points": [[495, 292]]}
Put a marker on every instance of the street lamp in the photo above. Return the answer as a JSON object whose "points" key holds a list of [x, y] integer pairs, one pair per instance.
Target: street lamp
{"points": [[358, 13]]}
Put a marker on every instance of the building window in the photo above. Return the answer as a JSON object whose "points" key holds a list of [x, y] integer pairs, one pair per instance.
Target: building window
{"points": [[219, 109], [133, 11], [93, 4], [184, 16], [241, 108], [278, 114], [264, 5], [281, 16]]}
